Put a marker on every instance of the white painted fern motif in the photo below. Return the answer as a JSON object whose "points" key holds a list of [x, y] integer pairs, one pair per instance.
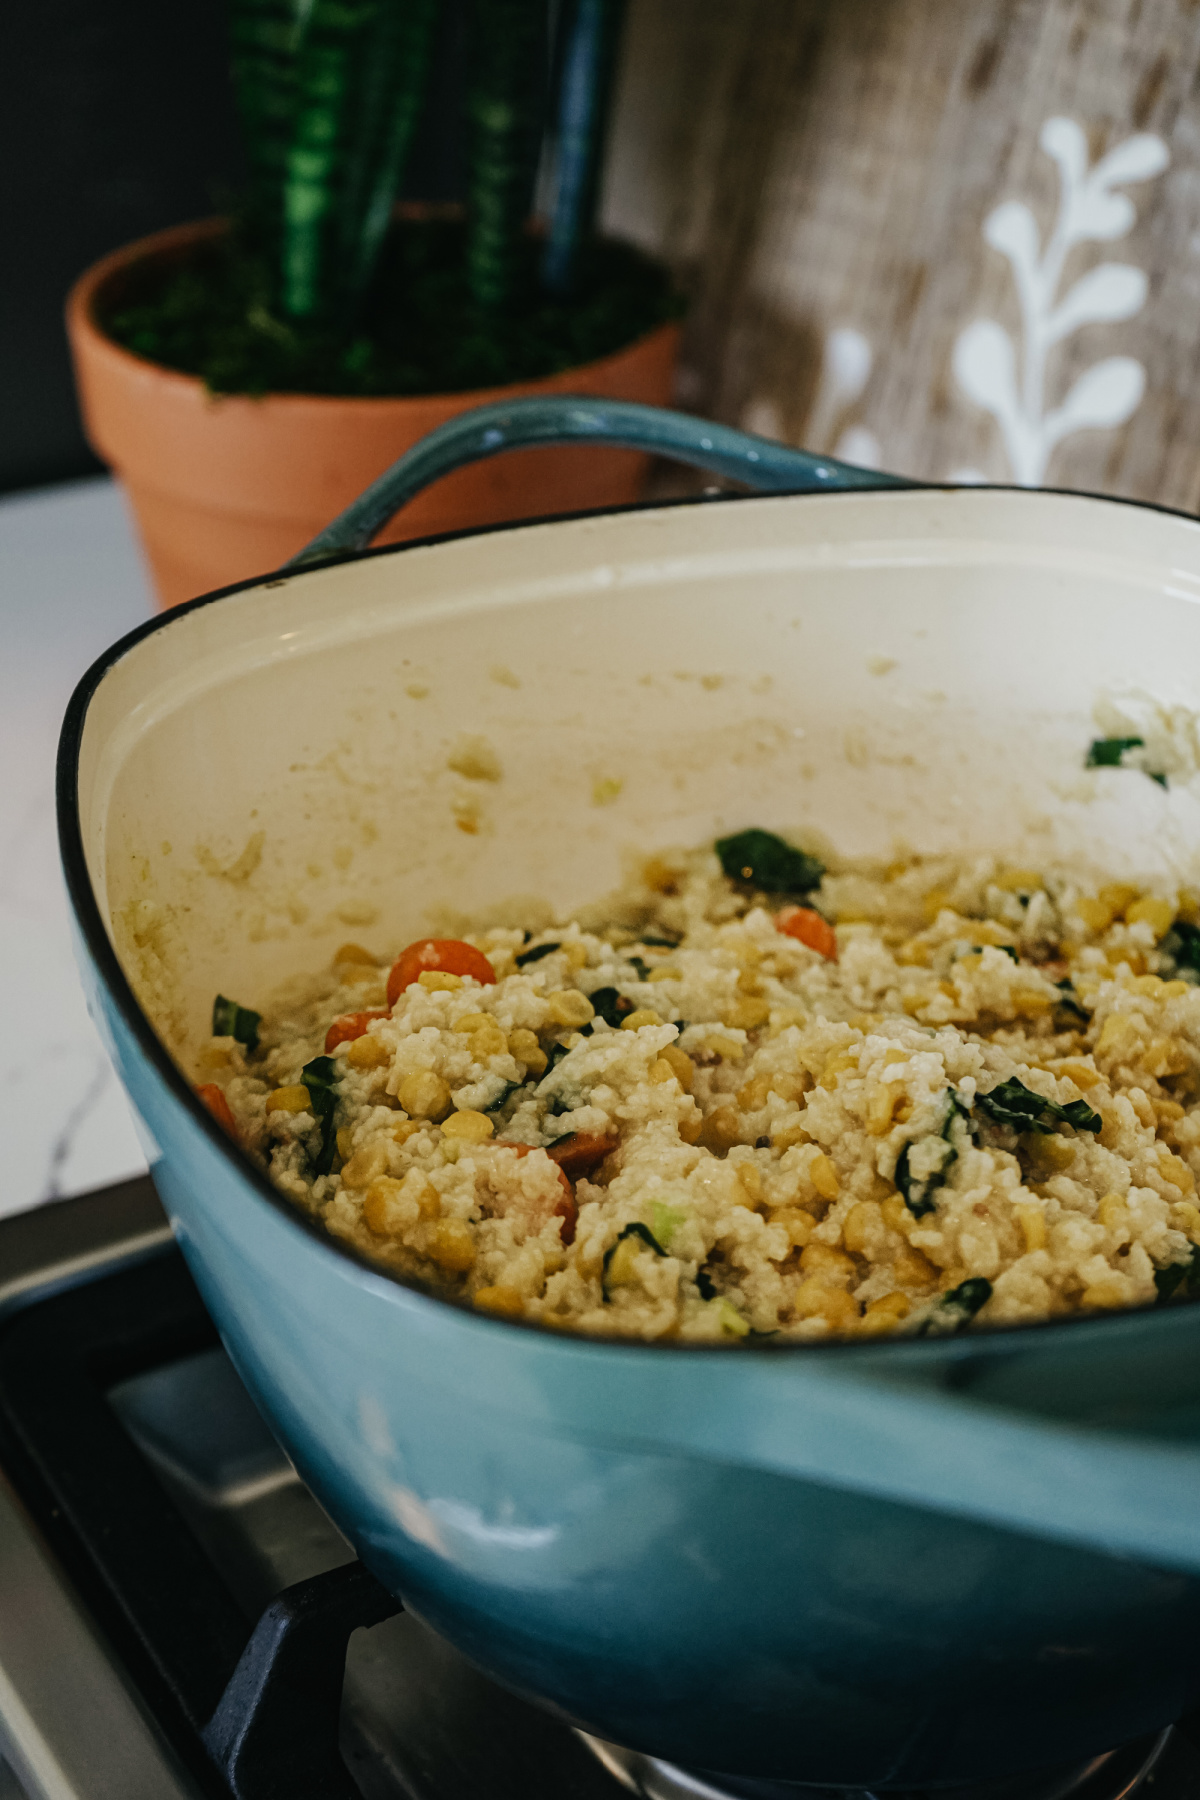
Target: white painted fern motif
{"points": [[986, 363], [845, 370]]}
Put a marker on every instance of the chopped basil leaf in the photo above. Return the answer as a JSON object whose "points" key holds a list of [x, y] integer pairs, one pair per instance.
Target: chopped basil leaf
{"points": [[1009, 950], [320, 1078], [231, 1020], [956, 1309], [1109, 753], [1070, 1004], [535, 955], [1013, 1104], [1180, 1280], [918, 1194], [611, 1005], [1187, 952], [642, 968], [767, 862], [662, 943], [704, 1284], [636, 1230], [557, 1052], [509, 1089]]}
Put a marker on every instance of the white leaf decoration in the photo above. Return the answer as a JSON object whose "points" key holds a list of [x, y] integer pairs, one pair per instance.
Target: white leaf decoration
{"points": [[848, 361], [1107, 394], [858, 445], [1139, 158], [985, 358], [1106, 294], [1011, 229], [985, 365]]}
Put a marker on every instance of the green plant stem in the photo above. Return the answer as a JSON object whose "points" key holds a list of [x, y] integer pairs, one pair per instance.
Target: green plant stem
{"points": [[325, 91], [588, 38], [396, 64], [262, 52], [505, 107]]}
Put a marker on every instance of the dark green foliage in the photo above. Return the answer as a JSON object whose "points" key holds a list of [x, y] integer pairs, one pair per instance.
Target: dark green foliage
{"points": [[635, 1230], [587, 37], [765, 861], [1180, 1280], [956, 1309], [263, 37], [510, 1088], [506, 106], [320, 1078], [1009, 950], [1013, 1104], [918, 1195], [611, 1005], [231, 1020], [661, 943], [640, 967], [419, 331], [704, 1283], [535, 955], [1109, 753]]}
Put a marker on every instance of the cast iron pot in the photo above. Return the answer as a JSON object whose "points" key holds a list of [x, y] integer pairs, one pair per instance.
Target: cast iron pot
{"points": [[866, 1564]]}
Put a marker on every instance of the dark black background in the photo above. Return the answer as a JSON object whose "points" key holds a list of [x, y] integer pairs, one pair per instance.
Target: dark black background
{"points": [[117, 121]]}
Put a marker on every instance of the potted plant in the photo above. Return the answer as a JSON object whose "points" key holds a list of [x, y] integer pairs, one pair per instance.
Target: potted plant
{"points": [[247, 377]]}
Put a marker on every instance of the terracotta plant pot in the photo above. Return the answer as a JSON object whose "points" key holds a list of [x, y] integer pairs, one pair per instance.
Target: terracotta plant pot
{"points": [[226, 488]]}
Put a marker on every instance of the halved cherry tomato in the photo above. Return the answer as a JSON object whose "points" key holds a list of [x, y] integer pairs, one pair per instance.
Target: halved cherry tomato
{"points": [[218, 1106], [578, 1153], [450, 956], [351, 1026], [567, 1210], [802, 923]]}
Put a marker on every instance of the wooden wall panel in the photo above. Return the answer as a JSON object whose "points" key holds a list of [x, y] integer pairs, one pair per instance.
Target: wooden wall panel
{"points": [[821, 173]]}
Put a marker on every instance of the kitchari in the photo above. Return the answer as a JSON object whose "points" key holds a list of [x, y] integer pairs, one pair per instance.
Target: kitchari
{"points": [[753, 1097]]}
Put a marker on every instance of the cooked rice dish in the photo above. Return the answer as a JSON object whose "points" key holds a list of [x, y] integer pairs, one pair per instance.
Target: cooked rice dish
{"points": [[750, 1098]]}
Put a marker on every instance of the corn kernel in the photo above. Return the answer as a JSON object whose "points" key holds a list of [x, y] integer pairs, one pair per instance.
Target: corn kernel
{"points": [[691, 1126], [429, 1201], [1048, 1152], [837, 1064], [934, 902], [424, 1095], [476, 1021], [1175, 990], [576, 955], [824, 1176], [367, 1052], [292, 1099], [1185, 1216], [897, 1304], [451, 1245], [1118, 1036], [825, 1263], [1095, 915], [1081, 1073], [354, 953], [753, 1096], [365, 1165], [660, 1071], [746, 1014], [1113, 1213], [636, 1020], [1032, 1221], [749, 983], [1018, 881], [798, 1224], [469, 1127], [345, 1142], [1117, 895], [664, 972], [525, 1047], [721, 1129], [814, 1300], [1166, 1113], [1150, 985], [505, 1302], [862, 1225], [434, 982], [789, 1132], [659, 876], [379, 1204], [913, 1269], [751, 1180], [681, 1065], [728, 1049], [914, 954], [880, 1108], [1173, 1169], [405, 1129], [1158, 914], [488, 1041], [568, 1006], [896, 1214], [1108, 1293], [1162, 1057]]}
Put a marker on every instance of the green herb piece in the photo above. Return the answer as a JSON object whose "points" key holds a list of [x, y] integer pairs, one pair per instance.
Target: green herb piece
{"points": [[1008, 950], [661, 943], [231, 1020], [642, 968], [732, 1322], [320, 1078], [955, 1310], [535, 955], [617, 1265], [1013, 1104], [1109, 753], [611, 1005], [665, 1221], [509, 1089], [704, 1284], [1187, 954], [767, 862], [1070, 1004], [918, 1194], [1179, 1280]]}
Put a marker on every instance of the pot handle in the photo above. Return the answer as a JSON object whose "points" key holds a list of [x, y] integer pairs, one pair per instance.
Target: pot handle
{"points": [[567, 419]]}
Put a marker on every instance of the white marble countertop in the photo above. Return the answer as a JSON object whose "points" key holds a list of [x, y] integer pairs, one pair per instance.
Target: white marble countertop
{"points": [[71, 581]]}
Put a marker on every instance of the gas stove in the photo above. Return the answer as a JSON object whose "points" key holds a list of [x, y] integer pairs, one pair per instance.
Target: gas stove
{"points": [[179, 1620]]}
